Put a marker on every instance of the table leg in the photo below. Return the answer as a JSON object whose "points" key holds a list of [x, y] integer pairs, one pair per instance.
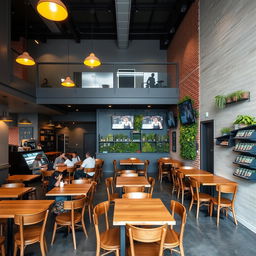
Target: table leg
{"points": [[122, 241], [10, 237], [120, 192]]}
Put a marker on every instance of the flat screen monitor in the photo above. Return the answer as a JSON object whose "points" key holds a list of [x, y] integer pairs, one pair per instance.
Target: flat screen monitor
{"points": [[30, 157], [187, 113], [122, 122], [171, 120], [152, 122]]}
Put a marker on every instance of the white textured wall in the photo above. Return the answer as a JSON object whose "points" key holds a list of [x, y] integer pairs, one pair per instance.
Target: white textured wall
{"points": [[228, 63]]}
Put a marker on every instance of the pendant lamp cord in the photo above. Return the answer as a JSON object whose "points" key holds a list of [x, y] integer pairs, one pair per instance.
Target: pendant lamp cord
{"points": [[68, 57], [26, 25]]}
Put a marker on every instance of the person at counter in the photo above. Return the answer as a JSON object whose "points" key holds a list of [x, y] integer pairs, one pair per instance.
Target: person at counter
{"points": [[75, 158], [38, 164], [59, 160]]}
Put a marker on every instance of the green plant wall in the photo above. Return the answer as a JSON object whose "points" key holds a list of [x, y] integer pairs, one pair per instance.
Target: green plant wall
{"points": [[187, 139]]}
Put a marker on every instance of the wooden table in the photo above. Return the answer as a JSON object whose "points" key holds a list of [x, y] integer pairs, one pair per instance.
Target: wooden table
{"points": [[9, 208], [194, 172], [139, 212], [213, 180], [170, 161], [24, 178], [131, 162], [70, 190], [13, 192]]}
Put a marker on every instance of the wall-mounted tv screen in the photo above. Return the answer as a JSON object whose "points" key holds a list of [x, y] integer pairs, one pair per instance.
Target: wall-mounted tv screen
{"points": [[171, 120], [122, 122], [187, 113], [30, 157], [152, 122]]}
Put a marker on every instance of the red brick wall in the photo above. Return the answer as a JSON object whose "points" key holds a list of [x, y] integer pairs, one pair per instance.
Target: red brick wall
{"points": [[14, 135], [184, 49]]}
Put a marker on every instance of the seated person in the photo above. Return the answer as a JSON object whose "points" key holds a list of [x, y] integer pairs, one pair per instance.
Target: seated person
{"points": [[59, 160], [37, 165], [55, 181], [75, 158], [68, 160], [89, 162]]}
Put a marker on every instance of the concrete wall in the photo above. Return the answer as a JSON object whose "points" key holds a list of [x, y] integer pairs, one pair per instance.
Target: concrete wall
{"points": [[184, 49], [228, 63]]}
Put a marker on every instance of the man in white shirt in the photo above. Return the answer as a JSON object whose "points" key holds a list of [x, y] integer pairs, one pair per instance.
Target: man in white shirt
{"points": [[89, 162]]}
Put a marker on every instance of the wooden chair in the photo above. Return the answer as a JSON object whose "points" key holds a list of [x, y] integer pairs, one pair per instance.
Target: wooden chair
{"points": [[162, 171], [174, 168], [99, 164], [152, 182], [2, 239], [109, 182], [128, 189], [109, 239], [137, 195], [87, 170], [174, 238], [129, 175], [225, 203], [144, 171], [13, 185], [30, 235], [70, 172], [201, 199], [116, 170], [45, 179], [72, 218], [127, 171], [90, 198], [149, 241], [182, 186], [96, 176], [82, 181]]}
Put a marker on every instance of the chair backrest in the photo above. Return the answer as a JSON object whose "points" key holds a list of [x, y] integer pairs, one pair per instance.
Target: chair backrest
{"points": [[152, 182], [71, 170], [46, 174], [194, 188], [31, 219], [177, 164], [180, 177], [128, 171], [89, 170], [129, 175], [134, 189], [99, 162], [179, 209], [137, 195], [81, 181], [13, 185], [115, 165], [227, 189], [91, 193], [147, 235], [100, 209], [109, 186], [75, 204]]}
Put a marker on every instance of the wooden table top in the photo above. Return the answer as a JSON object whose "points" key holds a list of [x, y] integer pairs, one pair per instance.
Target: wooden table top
{"points": [[23, 177], [141, 212], [212, 180], [9, 208], [70, 190], [13, 192], [194, 172], [170, 161], [129, 161], [132, 181], [52, 153]]}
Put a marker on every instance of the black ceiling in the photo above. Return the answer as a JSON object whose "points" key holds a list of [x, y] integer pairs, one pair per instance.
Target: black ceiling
{"points": [[149, 19]]}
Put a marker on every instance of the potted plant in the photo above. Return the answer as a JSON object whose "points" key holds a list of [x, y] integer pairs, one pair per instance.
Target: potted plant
{"points": [[234, 96], [138, 122], [243, 121], [225, 131], [229, 98], [220, 101], [245, 94]]}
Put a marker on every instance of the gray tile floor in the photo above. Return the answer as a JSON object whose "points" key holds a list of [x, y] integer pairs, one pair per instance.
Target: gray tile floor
{"points": [[201, 237]]}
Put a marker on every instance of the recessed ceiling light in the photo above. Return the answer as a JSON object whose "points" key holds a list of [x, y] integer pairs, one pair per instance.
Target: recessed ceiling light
{"points": [[77, 109], [69, 106], [73, 122], [110, 106], [183, 8], [149, 106], [37, 42]]}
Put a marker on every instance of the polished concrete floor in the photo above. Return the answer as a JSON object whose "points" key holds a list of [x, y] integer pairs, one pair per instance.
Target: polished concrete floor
{"points": [[201, 238]]}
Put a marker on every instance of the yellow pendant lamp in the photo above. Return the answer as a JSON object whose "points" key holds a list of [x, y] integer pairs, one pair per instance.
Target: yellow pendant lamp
{"points": [[25, 121], [6, 118], [25, 59], [68, 82], [52, 10], [92, 61]]}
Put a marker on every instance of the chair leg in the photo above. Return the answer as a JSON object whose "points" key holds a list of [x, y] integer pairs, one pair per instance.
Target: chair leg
{"points": [[15, 249], [74, 235], [234, 214], [42, 248], [54, 233], [191, 204], [90, 214], [21, 251], [197, 209], [218, 215], [182, 250], [211, 209], [117, 252], [182, 196], [45, 245], [84, 228], [3, 250]]}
